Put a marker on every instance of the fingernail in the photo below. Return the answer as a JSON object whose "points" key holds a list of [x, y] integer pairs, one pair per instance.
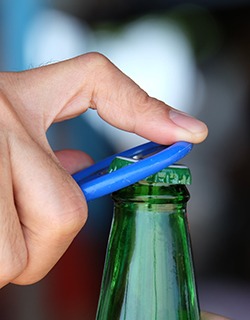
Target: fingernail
{"points": [[187, 122]]}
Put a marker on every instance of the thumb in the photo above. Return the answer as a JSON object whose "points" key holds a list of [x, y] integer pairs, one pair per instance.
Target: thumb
{"points": [[92, 81], [122, 103]]}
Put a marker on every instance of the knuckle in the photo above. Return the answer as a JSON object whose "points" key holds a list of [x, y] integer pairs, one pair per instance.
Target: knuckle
{"points": [[68, 222], [95, 59], [97, 65]]}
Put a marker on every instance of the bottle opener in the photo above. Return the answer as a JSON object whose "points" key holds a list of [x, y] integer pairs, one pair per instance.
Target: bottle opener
{"points": [[146, 159]]}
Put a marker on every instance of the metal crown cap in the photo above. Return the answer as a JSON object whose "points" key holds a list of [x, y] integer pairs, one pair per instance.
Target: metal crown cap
{"points": [[173, 174]]}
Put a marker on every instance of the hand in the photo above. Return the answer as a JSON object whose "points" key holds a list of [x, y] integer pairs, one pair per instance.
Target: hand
{"points": [[210, 316], [41, 207]]}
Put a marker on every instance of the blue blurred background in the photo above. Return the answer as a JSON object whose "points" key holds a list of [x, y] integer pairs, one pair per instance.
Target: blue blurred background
{"points": [[194, 55]]}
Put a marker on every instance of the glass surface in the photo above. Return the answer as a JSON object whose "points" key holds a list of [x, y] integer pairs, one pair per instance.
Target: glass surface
{"points": [[148, 272]]}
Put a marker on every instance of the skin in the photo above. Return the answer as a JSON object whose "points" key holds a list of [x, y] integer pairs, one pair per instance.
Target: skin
{"points": [[41, 207], [210, 316]]}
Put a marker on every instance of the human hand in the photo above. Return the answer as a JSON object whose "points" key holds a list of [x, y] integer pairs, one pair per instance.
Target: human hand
{"points": [[210, 316], [41, 207]]}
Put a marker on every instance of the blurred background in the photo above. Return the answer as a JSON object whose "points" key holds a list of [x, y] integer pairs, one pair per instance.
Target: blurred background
{"points": [[194, 55]]}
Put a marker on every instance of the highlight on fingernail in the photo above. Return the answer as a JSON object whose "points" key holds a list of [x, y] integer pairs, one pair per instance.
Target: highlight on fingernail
{"points": [[187, 122]]}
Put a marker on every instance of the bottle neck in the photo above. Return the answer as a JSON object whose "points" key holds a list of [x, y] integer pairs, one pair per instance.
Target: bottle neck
{"points": [[153, 194], [139, 203], [149, 275], [148, 271]]}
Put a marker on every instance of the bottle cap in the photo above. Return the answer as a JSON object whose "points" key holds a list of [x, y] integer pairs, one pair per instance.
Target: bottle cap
{"points": [[173, 174]]}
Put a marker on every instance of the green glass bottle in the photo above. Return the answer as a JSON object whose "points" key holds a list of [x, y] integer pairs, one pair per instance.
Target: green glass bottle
{"points": [[148, 272]]}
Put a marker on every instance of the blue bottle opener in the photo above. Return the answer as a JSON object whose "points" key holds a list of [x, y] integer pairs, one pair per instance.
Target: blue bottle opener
{"points": [[147, 159]]}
